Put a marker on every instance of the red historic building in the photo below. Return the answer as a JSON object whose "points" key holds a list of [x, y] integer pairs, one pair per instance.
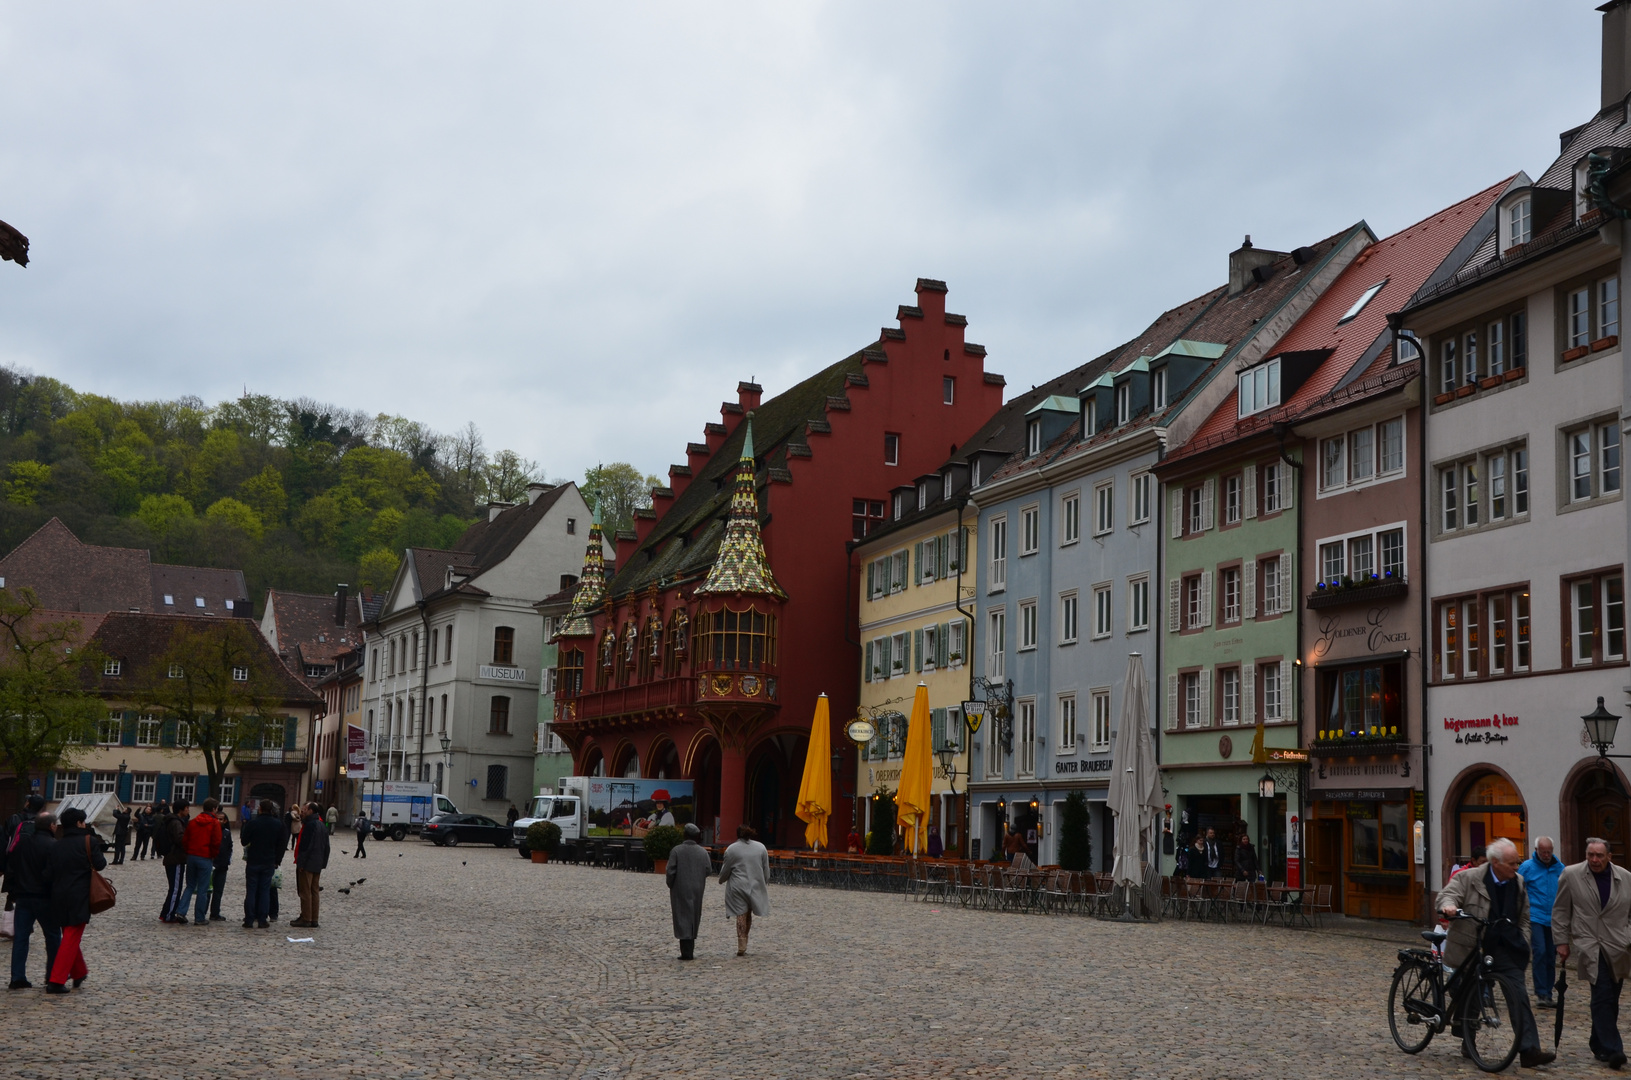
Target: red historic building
{"points": [[731, 609]]}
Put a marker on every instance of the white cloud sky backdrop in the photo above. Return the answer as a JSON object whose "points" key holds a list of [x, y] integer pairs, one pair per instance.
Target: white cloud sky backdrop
{"points": [[580, 224]]}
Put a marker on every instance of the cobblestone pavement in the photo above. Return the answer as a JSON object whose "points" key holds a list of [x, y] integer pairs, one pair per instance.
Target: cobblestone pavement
{"points": [[471, 962]]}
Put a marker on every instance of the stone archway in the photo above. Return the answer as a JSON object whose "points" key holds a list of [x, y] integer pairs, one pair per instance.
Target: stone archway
{"points": [[701, 765], [1483, 803], [625, 760], [663, 759], [1593, 803], [593, 762]]}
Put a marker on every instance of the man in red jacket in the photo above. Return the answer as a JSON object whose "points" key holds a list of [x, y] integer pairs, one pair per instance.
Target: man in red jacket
{"points": [[203, 842]]}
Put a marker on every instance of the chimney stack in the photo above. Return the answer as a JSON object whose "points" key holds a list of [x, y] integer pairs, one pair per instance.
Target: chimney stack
{"points": [[339, 603], [1244, 259], [748, 394], [1616, 51]]}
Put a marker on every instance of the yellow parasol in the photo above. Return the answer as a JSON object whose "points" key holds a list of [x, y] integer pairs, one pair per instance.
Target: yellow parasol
{"points": [[916, 774], [815, 790], [1260, 753]]}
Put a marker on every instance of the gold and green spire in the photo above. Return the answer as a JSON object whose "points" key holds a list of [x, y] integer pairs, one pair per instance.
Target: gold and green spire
{"points": [[591, 584], [741, 565]]}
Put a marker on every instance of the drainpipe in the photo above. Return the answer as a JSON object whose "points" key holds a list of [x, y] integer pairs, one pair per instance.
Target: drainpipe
{"points": [[963, 503], [1281, 431], [424, 678]]}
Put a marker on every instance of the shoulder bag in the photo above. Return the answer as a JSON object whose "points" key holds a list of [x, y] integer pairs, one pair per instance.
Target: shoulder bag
{"points": [[103, 894]]}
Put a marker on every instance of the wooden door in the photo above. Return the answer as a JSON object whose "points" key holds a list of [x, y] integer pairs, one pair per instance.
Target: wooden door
{"points": [[1325, 857], [1602, 813]]}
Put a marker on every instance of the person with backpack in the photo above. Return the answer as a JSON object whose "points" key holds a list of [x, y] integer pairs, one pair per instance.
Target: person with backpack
{"points": [[144, 833], [202, 844], [76, 854], [364, 829], [223, 859], [169, 844], [14, 827], [30, 895]]}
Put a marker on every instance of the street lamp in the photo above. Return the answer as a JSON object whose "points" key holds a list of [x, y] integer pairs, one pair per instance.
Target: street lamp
{"points": [[1265, 787], [1600, 727], [447, 759]]}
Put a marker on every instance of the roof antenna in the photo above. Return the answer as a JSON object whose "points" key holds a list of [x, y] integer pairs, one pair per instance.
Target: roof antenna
{"points": [[1248, 242]]}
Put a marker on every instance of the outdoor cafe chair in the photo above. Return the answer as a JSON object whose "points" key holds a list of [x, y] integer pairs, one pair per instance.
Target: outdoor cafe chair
{"points": [[1321, 906]]}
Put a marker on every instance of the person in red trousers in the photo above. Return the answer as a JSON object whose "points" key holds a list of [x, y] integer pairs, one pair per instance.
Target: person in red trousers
{"points": [[76, 853]]}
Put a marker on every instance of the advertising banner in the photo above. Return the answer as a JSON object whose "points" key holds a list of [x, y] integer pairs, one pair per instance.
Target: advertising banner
{"points": [[632, 805], [1294, 851], [356, 753]]}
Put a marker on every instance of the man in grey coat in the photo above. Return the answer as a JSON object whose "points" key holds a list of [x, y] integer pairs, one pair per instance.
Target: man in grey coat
{"points": [[689, 867], [745, 873], [1591, 921]]}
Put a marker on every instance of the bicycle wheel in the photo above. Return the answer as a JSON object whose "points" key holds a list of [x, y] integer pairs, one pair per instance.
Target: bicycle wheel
{"points": [[1413, 986], [1489, 1023]]}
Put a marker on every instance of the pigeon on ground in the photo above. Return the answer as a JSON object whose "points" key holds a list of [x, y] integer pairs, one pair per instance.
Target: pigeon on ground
{"points": [[346, 891], [359, 881]]}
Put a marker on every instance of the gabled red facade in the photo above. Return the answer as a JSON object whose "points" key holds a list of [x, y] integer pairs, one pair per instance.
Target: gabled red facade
{"points": [[659, 692]]}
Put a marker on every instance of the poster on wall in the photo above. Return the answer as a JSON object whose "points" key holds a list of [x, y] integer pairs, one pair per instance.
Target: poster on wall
{"points": [[631, 806], [356, 753], [1294, 852]]}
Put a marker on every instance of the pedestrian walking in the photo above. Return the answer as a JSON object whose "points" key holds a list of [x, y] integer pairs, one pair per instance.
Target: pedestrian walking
{"points": [[77, 852], [513, 815], [29, 893], [1591, 921], [1496, 892], [689, 868], [32, 808], [1245, 859], [310, 859], [202, 844], [144, 832], [1207, 855], [264, 840], [1540, 873], [364, 829], [170, 844], [745, 873], [936, 848], [121, 834], [332, 818], [223, 859]]}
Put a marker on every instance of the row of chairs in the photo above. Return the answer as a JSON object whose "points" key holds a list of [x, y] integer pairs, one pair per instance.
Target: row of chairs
{"points": [[1245, 901], [995, 887]]}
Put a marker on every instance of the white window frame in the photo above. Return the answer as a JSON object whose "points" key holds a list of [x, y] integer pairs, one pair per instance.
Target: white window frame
{"points": [[1233, 499], [1070, 519], [1158, 389], [1025, 739], [1274, 590], [1343, 543], [144, 787], [1124, 403], [1030, 530], [1230, 613], [1100, 735], [1229, 696], [64, 784], [1070, 618], [998, 573], [948, 390], [112, 667], [1270, 679], [1138, 603], [1103, 612], [1028, 629], [183, 787], [1104, 507], [1143, 497], [1033, 437], [1068, 734], [149, 730], [1258, 388], [956, 643], [1517, 223], [996, 644]]}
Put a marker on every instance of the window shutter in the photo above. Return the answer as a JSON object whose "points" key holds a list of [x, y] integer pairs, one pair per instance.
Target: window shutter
{"points": [[161, 789], [898, 584], [885, 644], [937, 729], [202, 787], [956, 542], [1172, 703], [872, 579], [917, 649], [1206, 697], [1206, 598], [1249, 492], [127, 787], [1248, 694], [84, 783], [1248, 588], [1208, 504], [291, 731], [1175, 516], [942, 645], [167, 735], [1288, 706], [942, 556], [866, 662], [1286, 590], [1288, 481], [1174, 596], [127, 733], [917, 561]]}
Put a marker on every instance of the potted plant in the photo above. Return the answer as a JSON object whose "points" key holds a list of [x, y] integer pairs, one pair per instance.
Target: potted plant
{"points": [[659, 842], [543, 838]]}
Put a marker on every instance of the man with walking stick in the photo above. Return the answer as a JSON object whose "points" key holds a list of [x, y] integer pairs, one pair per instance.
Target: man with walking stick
{"points": [[1591, 921]]}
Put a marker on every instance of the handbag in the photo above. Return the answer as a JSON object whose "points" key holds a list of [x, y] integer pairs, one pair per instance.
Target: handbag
{"points": [[8, 923], [277, 878], [103, 894]]}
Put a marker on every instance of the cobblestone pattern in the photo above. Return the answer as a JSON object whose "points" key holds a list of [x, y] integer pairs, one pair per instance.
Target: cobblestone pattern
{"points": [[471, 962]]}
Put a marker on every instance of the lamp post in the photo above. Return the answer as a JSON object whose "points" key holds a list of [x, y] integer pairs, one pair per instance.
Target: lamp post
{"points": [[447, 760], [119, 784]]}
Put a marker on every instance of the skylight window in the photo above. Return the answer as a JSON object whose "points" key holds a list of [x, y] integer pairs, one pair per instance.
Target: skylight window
{"points": [[1359, 305], [169, 600], [198, 601], [1260, 388]]}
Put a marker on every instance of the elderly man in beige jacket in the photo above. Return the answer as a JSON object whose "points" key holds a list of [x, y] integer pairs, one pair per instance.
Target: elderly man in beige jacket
{"points": [[1591, 921]]}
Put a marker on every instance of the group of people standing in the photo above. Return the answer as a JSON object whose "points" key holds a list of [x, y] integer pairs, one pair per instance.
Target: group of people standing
{"points": [[48, 864], [1543, 913]]}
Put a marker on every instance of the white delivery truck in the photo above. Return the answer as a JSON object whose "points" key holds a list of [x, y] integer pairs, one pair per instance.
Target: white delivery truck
{"points": [[618, 811], [399, 807]]}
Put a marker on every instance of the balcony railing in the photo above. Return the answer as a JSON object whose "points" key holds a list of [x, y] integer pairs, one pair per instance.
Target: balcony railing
{"points": [[1357, 594], [639, 698]]}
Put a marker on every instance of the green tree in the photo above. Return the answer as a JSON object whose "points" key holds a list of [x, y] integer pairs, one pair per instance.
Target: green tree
{"points": [[507, 476], [377, 569], [1075, 834], [29, 480], [161, 512], [232, 512], [264, 494], [215, 682], [46, 712], [620, 491], [881, 840]]}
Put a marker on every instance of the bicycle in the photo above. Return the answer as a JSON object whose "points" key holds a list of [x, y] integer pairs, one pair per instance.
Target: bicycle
{"points": [[1422, 1000]]}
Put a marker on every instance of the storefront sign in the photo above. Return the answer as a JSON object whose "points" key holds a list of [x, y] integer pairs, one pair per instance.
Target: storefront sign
{"points": [[356, 753], [1373, 630], [1367, 794], [1093, 765], [504, 674], [1482, 730]]}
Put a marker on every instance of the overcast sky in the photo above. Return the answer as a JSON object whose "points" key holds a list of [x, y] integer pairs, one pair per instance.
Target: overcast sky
{"points": [[580, 224]]}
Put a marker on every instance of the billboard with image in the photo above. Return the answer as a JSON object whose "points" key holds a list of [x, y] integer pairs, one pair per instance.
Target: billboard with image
{"points": [[632, 805]]}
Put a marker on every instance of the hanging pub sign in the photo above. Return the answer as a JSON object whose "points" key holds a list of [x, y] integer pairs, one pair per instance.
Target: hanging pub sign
{"points": [[861, 731]]}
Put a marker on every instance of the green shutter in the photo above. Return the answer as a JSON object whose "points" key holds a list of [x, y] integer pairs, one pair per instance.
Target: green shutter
{"points": [[917, 648], [127, 733], [291, 730], [167, 734], [937, 729], [942, 645], [49, 781], [866, 662], [85, 783], [162, 790], [917, 561], [871, 579]]}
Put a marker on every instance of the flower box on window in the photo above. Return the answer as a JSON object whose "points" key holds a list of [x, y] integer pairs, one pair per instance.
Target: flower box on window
{"points": [[1444, 398], [1349, 591], [1605, 343], [1575, 353], [1489, 383], [1514, 374], [1466, 391]]}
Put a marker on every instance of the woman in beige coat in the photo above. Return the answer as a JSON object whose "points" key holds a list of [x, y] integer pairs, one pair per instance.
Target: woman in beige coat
{"points": [[745, 873]]}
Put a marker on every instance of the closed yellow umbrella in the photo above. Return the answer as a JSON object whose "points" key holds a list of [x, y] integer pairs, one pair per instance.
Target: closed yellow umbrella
{"points": [[815, 790], [916, 773]]}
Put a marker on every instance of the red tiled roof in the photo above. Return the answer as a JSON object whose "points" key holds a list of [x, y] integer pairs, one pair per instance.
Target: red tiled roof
{"points": [[67, 575], [1404, 261], [306, 630], [138, 638]]}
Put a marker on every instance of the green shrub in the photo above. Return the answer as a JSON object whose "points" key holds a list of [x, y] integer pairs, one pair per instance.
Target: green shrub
{"points": [[543, 836], [661, 840], [1075, 835]]}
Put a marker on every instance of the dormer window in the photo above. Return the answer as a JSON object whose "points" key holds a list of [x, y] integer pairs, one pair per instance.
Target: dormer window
{"points": [[1260, 388], [945, 485], [1090, 418], [922, 496], [1033, 438], [900, 506], [1124, 403], [974, 475], [1158, 388], [1518, 222], [1359, 305]]}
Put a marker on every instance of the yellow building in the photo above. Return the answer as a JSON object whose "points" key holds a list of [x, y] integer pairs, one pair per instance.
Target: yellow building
{"points": [[916, 607]]}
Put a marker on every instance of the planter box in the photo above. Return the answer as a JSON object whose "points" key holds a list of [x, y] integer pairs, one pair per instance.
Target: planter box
{"points": [[540, 856], [659, 866], [1605, 343], [1361, 594], [1575, 353], [1466, 391], [1514, 374], [1492, 381], [1443, 399], [1376, 747]]}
